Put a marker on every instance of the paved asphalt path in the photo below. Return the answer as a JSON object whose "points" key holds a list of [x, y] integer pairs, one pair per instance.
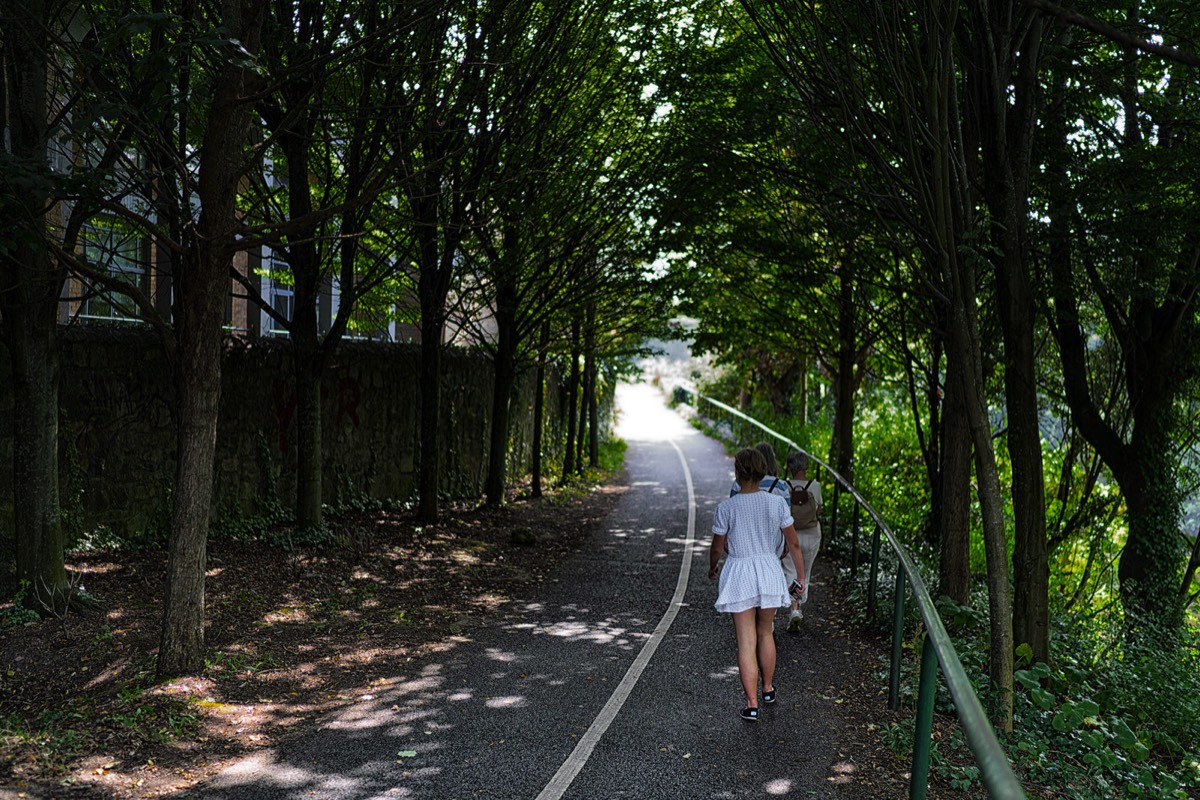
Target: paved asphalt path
{"points": [[618, 679]]}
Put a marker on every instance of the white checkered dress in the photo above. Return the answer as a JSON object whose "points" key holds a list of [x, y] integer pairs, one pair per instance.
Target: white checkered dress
{"points": [[752, 576]]}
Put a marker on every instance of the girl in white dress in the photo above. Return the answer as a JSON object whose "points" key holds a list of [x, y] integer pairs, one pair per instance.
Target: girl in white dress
{"points": [[746, 531]]}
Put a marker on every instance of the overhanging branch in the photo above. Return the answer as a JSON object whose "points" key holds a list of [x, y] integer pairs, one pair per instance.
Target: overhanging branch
{"points": [[1115, 34]]}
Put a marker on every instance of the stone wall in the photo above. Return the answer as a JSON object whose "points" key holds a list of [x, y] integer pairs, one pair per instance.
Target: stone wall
{"points": [[119, 441]]}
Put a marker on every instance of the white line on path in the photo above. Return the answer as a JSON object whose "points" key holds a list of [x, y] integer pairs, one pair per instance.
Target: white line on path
{"points": [[583, 751]]}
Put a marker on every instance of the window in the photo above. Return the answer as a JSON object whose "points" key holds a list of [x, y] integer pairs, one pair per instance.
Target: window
{"points": [[117, 251], [281, 294]]}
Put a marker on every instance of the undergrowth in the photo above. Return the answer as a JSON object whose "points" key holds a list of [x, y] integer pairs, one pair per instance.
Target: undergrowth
{"points": [[1097, 724]]}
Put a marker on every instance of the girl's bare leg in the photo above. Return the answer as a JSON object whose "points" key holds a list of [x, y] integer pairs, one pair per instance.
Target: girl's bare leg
{"points": [[765, 624], [745, 628]]}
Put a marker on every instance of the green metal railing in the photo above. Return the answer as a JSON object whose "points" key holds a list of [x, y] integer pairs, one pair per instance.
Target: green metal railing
{"points": [[936, 649]]}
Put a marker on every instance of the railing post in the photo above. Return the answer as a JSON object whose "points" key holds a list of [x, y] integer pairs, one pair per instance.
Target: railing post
{"points": [[854, 542], [874, 577], [853, 539], [837, 494], [855, 522], [897, 642], [923, 735]]}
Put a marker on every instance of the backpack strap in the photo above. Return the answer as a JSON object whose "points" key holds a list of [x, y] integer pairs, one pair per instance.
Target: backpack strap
{"points": [[782, 538]]}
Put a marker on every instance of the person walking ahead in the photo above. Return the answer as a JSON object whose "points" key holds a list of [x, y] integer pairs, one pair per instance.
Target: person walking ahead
{"points": [[752, 585], [806, 518]]}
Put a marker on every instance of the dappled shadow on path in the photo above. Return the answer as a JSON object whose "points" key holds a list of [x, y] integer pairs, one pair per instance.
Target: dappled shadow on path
{"points": [[464, 720]]}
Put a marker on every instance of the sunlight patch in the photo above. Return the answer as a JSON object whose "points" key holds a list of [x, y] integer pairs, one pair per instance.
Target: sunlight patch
{"points": [[843, 773], [778, 786], [511, 701], [728, 672], [250, 769], [582, 630]]}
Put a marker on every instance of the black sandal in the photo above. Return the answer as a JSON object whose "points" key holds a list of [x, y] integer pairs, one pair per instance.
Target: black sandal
{"points": [[750, 714]]}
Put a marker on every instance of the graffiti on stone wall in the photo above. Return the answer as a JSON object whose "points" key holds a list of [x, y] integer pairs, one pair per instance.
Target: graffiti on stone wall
{"points": [[107, 415], [286, 400]]}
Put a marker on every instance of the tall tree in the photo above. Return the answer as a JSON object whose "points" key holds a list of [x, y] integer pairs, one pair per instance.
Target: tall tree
{"points": [[180, 84], [539, 412], [914, 333], [63, 163], [1002, 54], [1124, 261], [906, 72], [31, 281], [572, 393], [201, 289], [170, 115], [324, 102], [445, 154]]}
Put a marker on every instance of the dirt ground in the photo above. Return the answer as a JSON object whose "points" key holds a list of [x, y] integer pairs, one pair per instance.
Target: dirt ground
{"points": [[292, 634]]}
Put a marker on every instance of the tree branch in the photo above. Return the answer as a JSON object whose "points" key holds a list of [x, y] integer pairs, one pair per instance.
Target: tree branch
{"points": [[1116, 34]]}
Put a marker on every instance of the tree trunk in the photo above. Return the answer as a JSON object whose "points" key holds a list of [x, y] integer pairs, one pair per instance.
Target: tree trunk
{"points": [[431, 400], [963, 345], [778, 379], [1005, 69], [309, 446], [1150, 341], [539, 412], [584, 399], [197, 367], [1189, 572], [800, 403], [843, 426], [304, 330], [745, 396], [29, 289], [844, 380], [198, 394], [1152, 560], [572, 399], [593, 424], [593, 405], [502, 389], [1031, 569], [953, 201], [1153, 556], [932, 442], [32, 345], [954, 518]]}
